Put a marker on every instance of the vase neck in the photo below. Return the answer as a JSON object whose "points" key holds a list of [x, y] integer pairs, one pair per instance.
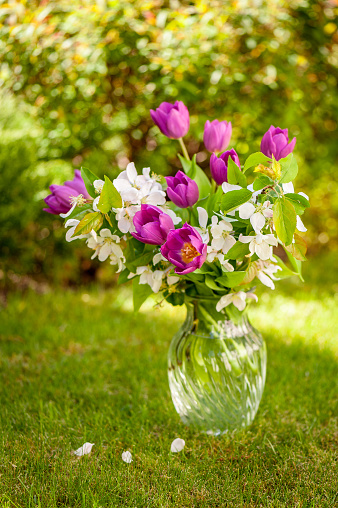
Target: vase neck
{"points": [[202, 318]]}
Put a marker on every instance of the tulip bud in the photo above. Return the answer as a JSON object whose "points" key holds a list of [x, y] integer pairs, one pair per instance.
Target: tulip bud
{"points": [[182, 190], [219, 165], [61, 198], [152, 225], [275, 142], [217, 135], [172, 119]]}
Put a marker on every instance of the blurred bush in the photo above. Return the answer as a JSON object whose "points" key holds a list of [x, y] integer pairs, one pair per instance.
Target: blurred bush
{"points": [[88, 73]]}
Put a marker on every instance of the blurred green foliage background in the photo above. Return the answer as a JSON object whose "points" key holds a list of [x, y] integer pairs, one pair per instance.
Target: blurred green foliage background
{"points": [[78, 79]]}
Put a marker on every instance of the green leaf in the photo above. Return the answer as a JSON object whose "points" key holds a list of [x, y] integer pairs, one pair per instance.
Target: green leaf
{"points": [[298, 201], [123, 277], [231, 279], [89, 178], [261, 181], [90, 221], [235, 175], [233, 199], [109, 198], [285, 270], [79, 212], [239, 250], [254, 159], [210, 282], [140, 293], [289, 168], [186, 165], [142, 260], [196, 173], [298, 248], [284, 219], [296, 265]]}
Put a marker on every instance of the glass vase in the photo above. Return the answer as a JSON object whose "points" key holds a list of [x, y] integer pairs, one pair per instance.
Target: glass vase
{"points": [[216, 367]]}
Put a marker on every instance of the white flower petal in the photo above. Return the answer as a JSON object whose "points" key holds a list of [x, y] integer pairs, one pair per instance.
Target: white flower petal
{"points": [[239, 302], [105, 251], [202, 217], [304, 195], [84, 449], [300, 226], [95, 204], [131, 172], [98, 185], [223, 302], [246, 210], [263, 250], [257, 221], [245, 239], [288, 187], [172, 279], [227, 187], [265, 280], [157, 258], [177, 445], [64, 215], [228, 243], [127, 457]]}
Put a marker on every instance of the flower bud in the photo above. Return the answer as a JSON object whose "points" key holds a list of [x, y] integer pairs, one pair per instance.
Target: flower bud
{"points": [[219, 165], [217, 135], [172, 119], [182, 190]]}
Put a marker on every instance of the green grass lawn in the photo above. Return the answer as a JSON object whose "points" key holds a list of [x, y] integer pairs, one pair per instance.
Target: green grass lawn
{"points": [[80, 366]]}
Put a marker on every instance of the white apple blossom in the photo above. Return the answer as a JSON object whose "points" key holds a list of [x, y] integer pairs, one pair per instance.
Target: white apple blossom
{"points": [[238, 299], [137, 189], [256, 213], [154, 278], [265, 272], [175, 218], [222, 240], [98, 186], [106, 245], [288, 188], [124, 217], [214, 254], [260, 245]]}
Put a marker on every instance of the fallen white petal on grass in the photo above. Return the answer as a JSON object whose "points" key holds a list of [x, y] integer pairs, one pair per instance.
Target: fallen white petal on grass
{"points": [[84, 449], [177, 445], [127, 457]]}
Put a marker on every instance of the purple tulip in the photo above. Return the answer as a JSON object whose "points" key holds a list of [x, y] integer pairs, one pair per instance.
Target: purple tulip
{"points": [[172, 119], [185, 249], [152, 225], [219, 165], [60, 199], [182, 190], [275, 143], [217, 135]]}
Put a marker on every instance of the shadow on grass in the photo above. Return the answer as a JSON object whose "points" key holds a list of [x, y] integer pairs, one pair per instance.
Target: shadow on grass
{"points": [[78, 372]]}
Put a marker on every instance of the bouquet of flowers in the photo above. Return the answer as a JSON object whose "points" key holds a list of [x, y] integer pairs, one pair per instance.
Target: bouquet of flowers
{"points": [[187, 237]]}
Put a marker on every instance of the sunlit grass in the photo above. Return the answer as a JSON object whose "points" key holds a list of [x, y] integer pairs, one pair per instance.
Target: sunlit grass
{"points": [[81, 366]]}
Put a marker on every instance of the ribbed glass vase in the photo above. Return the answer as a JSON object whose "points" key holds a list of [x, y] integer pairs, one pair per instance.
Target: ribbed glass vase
{"points": [[217, 369]]}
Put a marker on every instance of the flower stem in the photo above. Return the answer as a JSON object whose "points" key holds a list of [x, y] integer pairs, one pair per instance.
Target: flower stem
{"points": [[184, 149]]}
